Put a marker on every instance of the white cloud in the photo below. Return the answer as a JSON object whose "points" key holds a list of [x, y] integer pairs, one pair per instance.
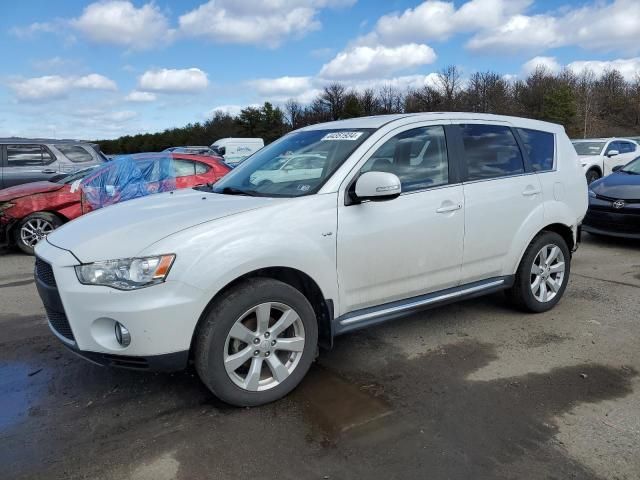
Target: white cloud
{"points": [[138, 96], [119, 22], [233, 110], [120, 116], [34, 29], [548, 63], [629, 68], [187, 80], [282, 86], [257, 22], [55, 86], [598, 26], [374, 61], [435, 19], [95, 81]]}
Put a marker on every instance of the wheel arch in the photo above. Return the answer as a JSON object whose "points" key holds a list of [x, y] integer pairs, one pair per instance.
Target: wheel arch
{"points": [[323, 307]]}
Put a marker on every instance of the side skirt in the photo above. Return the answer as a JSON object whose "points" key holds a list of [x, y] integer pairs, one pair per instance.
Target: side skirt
{"points": [[366, 317]]}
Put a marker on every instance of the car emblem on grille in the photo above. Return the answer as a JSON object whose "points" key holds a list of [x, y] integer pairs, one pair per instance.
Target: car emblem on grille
{"points": [[618, 204]]}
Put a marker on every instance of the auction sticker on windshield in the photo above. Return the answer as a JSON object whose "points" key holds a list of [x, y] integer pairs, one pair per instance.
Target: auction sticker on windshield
{"points": [[342, 136]]}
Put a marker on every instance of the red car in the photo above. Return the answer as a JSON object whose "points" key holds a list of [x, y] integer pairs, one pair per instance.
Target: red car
{"points": [[30, 211]]}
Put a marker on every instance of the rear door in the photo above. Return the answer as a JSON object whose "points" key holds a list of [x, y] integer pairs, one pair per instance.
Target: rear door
{"points": [[502, 198], [2, 165], [27, 163]]}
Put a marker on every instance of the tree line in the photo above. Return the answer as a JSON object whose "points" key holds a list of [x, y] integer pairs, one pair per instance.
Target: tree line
{"points": [[586, 104]]}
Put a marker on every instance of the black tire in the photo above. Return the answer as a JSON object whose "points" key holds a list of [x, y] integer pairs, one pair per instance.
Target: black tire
{"points": [[592, 175], [211, 338], [49, 218], [521, 295]]}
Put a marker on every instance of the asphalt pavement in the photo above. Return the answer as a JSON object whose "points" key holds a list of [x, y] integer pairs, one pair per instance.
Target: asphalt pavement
{"points": [[468, 391]]}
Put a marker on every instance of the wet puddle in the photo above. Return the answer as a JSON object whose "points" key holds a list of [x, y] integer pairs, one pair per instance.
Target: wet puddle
{"points": [[334, 406], [16, 391]]}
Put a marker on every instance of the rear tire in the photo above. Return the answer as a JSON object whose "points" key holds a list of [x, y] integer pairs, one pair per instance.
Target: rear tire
{"points": [[33, 228], [244, 353], [542, 275]]}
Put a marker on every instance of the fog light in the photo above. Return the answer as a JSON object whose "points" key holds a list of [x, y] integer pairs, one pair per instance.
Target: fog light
{"points": [[123, 337]]}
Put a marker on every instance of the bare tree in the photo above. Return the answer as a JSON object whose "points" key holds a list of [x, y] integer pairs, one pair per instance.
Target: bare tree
{"points": [[585, 83], [450, 83], [333, 97], [391, 99], [368, 102], [293, 111]]}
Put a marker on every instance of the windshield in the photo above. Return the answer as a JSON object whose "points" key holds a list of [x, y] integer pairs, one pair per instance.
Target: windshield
{"points": [[589, 148], [295, 165], [632, 167]]}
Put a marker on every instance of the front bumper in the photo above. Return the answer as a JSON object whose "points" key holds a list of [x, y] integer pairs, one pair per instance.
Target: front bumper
{"points": [[612, 223], [161, 319]]}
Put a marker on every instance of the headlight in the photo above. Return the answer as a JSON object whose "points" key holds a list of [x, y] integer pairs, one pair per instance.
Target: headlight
{"points": [[592, 194], [126, 273]]}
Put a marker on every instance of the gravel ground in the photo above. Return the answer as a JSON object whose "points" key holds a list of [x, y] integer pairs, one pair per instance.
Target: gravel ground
{"points": [[472, 390]]}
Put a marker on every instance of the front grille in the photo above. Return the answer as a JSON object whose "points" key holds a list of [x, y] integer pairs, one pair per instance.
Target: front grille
{"points": [[45, 273], [59, 322], [613, 222], [613, 199]]}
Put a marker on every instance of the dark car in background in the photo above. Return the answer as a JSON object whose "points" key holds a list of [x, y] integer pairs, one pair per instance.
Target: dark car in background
{"points": [[614, 203], [31, 160]]}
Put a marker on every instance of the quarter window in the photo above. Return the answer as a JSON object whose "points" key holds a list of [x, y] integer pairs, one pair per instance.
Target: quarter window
{"points": [[418, 157], [75, 153], [201, 168], [183, 168], [27, 155], [540, 148], [490, 151]]}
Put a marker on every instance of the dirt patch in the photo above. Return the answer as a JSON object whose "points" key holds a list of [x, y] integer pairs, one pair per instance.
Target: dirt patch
{"points": [[544, 338]]}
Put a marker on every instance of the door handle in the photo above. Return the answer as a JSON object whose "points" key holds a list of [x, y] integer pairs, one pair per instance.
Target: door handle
{"points": [[449, 208], [48, 170], [530, 191]]}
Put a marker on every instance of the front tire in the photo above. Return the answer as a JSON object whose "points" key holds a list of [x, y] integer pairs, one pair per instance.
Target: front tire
{"points": [[542, 275], [33, 228], [592, 175], [256, 343]]}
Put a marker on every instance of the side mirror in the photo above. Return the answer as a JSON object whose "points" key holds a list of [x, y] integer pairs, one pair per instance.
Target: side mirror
{"points": [[377, 186], [612, 153], [616, 168]]}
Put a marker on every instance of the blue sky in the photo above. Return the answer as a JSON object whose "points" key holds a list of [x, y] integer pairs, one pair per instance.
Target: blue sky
{"points": [[102, 69]]}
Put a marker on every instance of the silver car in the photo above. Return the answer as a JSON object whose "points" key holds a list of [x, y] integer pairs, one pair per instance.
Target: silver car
{"points": [[23, 160]]}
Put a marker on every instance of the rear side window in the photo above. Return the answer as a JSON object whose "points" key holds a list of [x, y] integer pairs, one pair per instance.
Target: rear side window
{"points": [[27, 155], [201, 168], [75, 153], [183, 168], [490, 151], [540, 147]]}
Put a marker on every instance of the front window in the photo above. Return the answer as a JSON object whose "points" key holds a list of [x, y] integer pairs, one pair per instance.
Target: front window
{"points": [[297, 164], [589, 148], [632, 167]]}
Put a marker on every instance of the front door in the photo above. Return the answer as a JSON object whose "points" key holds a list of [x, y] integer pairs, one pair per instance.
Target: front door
{"points": [[411, 245]]}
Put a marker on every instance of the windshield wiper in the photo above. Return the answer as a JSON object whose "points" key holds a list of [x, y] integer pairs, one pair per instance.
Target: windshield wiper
{"points": [[237, 191], [629, 172]]}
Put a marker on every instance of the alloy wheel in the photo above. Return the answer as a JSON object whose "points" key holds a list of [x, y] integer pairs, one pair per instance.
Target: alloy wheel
{"points": [[264, 346], [35, 230], [547, 273]]}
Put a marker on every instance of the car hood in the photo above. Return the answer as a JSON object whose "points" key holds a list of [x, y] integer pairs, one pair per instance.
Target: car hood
{"points": [[25, 189], [125, 229], [618, 185]]}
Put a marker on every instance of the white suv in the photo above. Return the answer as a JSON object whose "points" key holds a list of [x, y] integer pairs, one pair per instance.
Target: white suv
{"points": [[599, 156], [246, 278]]}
